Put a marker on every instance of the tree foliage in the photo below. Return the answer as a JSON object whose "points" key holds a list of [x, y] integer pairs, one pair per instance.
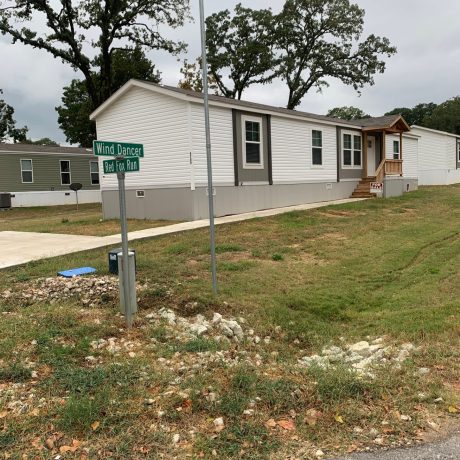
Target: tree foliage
{"points": [[347, 113], [240, 49], [73, 114], [8, 129], [319, 39], [192, 77], [104, 25], [445, 117], [43, 141], [416, 115]]}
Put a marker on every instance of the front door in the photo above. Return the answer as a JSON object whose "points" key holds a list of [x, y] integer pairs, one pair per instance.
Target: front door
{"points": [[371, 156]]}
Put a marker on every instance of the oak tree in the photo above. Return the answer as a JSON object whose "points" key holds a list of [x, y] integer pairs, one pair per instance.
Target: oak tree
{"points": [[73, 114], [8, 129], [347, 113], [85, 34], [240, 49], [445, 117], [320, 39]]}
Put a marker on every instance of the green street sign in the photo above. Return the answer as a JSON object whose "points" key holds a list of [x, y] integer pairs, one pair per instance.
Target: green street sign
{"points": [[117, 149], [125, 165]]}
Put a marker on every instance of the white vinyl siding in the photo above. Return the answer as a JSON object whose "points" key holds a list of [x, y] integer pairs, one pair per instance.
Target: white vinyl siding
{"points": [[158, 122], [223, 171], [292, 152], [27, 171], [436, 158]]}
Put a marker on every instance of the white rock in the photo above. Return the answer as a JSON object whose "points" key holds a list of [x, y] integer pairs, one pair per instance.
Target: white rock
{"points": [[248, 412], [407, 346], [362, 348], [439, 400], [176, 438], [198, 329], [217, 318], [331, 351], [406, 418], [219, 422], [168, 315], [423, 371], [319, 453]]}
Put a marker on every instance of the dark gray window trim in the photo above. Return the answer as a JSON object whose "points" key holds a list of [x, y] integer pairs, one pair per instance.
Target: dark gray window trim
{"points": [[269, 147], [235, 147]]}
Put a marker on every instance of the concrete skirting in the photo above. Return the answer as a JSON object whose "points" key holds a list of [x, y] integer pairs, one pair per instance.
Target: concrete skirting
{"points": [[187, 204], [396, 186], [53, 198]]}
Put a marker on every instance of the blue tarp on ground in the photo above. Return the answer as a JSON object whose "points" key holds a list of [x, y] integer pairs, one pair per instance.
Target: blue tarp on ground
{"points": [[77, 272]]}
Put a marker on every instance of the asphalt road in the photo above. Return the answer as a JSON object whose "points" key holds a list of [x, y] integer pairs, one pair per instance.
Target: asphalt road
{"points": [[448, 449]]}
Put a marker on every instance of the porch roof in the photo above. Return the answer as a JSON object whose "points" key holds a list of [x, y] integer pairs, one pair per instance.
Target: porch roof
{"points": [[389, 123]]}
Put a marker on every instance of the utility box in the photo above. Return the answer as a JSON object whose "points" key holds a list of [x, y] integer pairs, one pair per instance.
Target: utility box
{"points": [[132, 282], [5, 200], [113, 260]]}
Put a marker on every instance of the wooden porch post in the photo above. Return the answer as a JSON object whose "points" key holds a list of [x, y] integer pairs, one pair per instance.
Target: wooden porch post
{"points": [[364, 155], [384, 150]]}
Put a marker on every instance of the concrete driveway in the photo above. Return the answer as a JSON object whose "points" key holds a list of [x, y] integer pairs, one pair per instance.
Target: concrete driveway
{"points": [[18, 248]]}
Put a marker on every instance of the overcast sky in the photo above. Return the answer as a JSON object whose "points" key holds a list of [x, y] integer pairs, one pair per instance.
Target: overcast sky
{"points": [[426, 68]]}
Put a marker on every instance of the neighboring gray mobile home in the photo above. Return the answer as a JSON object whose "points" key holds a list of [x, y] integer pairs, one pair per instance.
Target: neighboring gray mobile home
{"points": [[37, 175], [262, 156]]}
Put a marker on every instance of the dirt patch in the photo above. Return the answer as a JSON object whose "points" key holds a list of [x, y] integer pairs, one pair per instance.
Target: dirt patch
{"points": [[337, 213], [311, 259], [333, 236]]}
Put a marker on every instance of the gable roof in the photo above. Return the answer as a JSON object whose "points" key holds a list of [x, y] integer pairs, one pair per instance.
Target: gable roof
{"points": [[32, 148], [194, 96]]}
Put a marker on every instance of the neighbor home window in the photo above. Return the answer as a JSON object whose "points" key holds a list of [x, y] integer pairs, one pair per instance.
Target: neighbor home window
{"points": [[395, 150], [252, 143], [316, 148], [351, 150], [27, 171], [94, 170], [65, 172], [458, 152]]}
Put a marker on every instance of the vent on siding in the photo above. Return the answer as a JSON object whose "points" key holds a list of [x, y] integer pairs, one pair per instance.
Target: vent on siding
{"points": [[140, 193]]}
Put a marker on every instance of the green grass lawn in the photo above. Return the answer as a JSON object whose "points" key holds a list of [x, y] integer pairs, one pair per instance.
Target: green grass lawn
{"points": [[306, 279], [66, 219]]}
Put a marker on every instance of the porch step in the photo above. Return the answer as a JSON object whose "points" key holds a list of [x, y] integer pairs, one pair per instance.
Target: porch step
{"points": [[363, 189]]}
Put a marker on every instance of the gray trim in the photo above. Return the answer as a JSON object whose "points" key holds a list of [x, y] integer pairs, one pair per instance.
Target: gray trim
{"points": [[348, 173], [235, 145], [251, 175]]}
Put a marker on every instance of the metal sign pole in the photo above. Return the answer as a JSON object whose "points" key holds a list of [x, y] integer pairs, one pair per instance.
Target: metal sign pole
{"points": [[208, 149], [124, 246]]}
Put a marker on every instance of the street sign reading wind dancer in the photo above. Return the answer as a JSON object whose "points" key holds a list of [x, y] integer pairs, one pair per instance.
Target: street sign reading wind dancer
{"points": [[117, 149]]}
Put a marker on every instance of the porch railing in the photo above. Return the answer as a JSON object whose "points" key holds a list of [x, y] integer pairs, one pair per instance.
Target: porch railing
{"points": [[388, 168]]}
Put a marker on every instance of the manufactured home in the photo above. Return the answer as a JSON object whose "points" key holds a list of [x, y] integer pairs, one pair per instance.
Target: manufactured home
{"points": [[438, 157], [262, 156], [37, 175]]}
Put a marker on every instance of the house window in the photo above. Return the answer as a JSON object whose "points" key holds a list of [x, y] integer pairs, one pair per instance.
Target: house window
{"points": [[65, 172], [395, 150], [351, 150], [27, 172], [316, 148], [458, 152], [94, 171], [252, 143]]}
